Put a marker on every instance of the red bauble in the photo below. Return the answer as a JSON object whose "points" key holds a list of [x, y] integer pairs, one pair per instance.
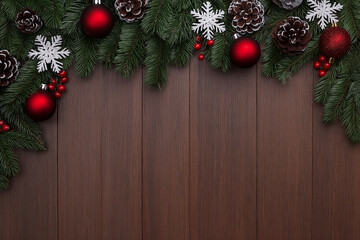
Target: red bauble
{"points": [[334, 42], [97, 21], [245, 52], [41, 105]]}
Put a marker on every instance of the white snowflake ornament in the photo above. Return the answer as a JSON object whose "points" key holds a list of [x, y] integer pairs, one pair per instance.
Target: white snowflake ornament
{"points": [[209, 22], [49, 52], [324, 11]]}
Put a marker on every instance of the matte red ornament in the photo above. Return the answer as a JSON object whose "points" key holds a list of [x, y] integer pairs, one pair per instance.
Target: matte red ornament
{"points": [[197, 46], [326, 66], [334, 42], [97, 21], [41, 105], [322, 73], [201, 57], [210, 43], [245, 52], [317, 65]]}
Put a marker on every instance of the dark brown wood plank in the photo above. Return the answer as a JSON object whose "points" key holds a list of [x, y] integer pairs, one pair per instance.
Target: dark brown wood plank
{"points": [[284, 173], [79, 166], [121, 157], [336, 191], [29, 209], [223, 153], [166, 159]]}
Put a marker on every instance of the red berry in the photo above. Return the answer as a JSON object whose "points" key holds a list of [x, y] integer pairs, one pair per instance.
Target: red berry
{"points": [[317, 65], [322, 73], [198, 38], [322, 58], [1, 122], [6, 128], [58, 94], [201, 57], [64, 79], [61, 88], [51, 87], [326, 66], [210, 43], [62, 74], [53, 81], [197, 46]]}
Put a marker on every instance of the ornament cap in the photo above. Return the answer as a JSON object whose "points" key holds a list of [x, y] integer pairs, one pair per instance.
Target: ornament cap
{"points": [[44, 87], [97, 1]]}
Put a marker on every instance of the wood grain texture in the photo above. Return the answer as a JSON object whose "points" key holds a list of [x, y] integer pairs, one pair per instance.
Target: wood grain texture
{"points": [[336, 191], [80, 158], [29, 209], [284, 172], [121, 157], [223, 153], [166, 159]]}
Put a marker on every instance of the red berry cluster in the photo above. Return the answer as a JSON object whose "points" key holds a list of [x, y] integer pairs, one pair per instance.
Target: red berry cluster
{"points": [[323, 65], [59, 88], [198, 47], [4, 127]]}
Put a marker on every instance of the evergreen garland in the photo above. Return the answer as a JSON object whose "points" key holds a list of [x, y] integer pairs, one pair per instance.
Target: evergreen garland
{"points": [[163, 37]]}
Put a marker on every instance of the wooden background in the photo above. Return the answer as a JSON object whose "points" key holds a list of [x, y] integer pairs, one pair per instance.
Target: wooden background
{"points": [[212, 156]]}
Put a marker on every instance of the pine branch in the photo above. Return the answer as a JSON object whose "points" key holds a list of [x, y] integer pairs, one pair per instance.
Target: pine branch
{"points": [[108, 47], [131, 49], [351, 120], [85, 56], [4, 181], [156, 62], [71, 21], [8, 161], [156, 20], [181, 53]]}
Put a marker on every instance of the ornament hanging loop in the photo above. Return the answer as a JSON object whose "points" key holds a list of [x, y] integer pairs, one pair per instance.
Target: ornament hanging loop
{"points": [[97, 1]]}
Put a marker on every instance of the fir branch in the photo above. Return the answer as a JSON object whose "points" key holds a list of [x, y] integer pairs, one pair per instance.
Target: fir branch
{"points": [[131, 49], [8, 161], [157, 17], [181, 53], [350, 18], [85, 56], [156, 62], [108, 47], [71, 21], [4, 181], [350, 118], [335, 104]]}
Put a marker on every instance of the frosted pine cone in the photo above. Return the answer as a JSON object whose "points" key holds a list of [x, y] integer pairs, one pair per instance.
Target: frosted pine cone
{"points": [[9, 68], [288, 4], [247, 16], [291, 35], [27, 21], [130, 10]]}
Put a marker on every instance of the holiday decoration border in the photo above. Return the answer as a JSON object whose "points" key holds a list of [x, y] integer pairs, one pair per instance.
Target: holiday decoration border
{"points": [[163, 37]]}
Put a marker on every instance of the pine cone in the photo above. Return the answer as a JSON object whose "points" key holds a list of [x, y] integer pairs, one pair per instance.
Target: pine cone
{"points": [[288, 4], [9, 68], [247, 16], [27, 21], [130, 10], [291, 35]]}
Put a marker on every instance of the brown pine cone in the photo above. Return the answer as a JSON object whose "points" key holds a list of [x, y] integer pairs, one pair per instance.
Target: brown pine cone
{"points": [[247, 16], [130, 10], [27, 21], [291, 35], [9, 68]]}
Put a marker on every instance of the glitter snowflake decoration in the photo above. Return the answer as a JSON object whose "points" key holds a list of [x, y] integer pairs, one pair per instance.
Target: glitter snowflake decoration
{"points": [[324, 11], [49, 52], [208, 21]]}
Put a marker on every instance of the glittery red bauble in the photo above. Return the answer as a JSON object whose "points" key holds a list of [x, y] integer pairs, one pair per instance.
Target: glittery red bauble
{"points": [[334, 42], [41, 105], [97, 21], [245, 52]]}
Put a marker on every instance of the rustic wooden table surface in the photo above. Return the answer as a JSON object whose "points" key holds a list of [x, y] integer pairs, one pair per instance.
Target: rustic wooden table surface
{"points": [[212, 156]]}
